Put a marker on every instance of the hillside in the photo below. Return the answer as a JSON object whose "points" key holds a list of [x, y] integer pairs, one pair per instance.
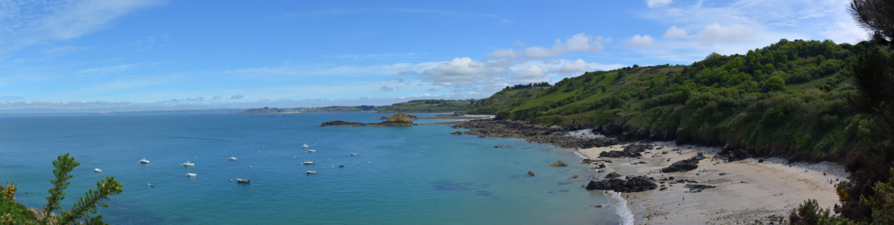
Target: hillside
{"points": [[785, 99], [429, 106]]}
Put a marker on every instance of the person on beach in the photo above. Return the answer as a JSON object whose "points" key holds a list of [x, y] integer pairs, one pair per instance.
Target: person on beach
{"points": [[684, 198]]}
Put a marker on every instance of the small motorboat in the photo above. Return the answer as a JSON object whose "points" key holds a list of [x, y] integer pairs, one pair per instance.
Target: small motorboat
{"points": [[311, 172], [97, 170], [341, 165], [242, 180], [190, 174], [308, 163], [151, 185], [353, 154], [144, 161], [187, 163], [311, 150], [232, 158], [305, 145]]}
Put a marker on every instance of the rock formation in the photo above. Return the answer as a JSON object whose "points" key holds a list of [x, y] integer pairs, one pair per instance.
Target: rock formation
{"points": [[631, 184], [558, 164]]}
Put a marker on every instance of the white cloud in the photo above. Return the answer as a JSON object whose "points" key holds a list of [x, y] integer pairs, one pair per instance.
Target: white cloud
{"points": [[463, 72], [503, 54], [578, 66], [715, 33], [657, 3], [846, 33], [386, 89], [531, 74], [577, 43], [519, 44], [27, 23], [676, 33], [107, 69], [641, 41]]}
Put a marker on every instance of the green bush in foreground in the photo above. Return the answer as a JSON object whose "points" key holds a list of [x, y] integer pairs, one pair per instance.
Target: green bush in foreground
{"points": [[16, 213]]}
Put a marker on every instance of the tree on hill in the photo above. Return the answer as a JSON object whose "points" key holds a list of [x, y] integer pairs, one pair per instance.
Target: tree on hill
{"points": [[621, 74]]}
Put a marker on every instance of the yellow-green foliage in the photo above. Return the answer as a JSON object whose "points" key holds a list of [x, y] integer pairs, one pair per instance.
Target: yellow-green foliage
{"points": [[882, 203], [400, 117]]}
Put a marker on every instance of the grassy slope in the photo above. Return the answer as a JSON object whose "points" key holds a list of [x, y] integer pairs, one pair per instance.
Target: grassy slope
{"points": [[429, 106], [721, 100], [503, 99]]}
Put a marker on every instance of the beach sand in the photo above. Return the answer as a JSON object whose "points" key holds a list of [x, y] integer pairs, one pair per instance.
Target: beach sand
{"points": [[749, 192]]}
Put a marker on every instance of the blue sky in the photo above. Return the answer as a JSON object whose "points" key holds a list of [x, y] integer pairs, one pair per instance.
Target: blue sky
{"points": [[124, 55]]}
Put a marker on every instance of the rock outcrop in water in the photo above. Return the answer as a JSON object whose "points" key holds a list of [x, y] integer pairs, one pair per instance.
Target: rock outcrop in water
{"points": [[631, 184], [559, 164], [532, 133], [397, 120]]}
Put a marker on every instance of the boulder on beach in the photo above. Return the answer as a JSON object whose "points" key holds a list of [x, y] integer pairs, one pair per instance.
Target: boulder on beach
{"points": [[683, 165], [633, 150], [631, 184], [531, 173], [612, 175], [558, 164]]}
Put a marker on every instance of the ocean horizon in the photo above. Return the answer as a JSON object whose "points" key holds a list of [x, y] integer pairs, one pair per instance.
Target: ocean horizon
{"points": [[400, 175]]}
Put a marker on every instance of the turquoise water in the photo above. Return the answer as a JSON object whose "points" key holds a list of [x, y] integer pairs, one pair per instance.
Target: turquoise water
{"points": [[401, 175]]}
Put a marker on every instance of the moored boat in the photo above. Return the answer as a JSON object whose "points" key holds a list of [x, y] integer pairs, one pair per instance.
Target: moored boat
{"points": [[305, 145], [353, 154], [308, 162], [187, 163], [144, 161], [311, 172], [191, 174], [311, 150], [242, 180], [97, 170], [233, 158]]}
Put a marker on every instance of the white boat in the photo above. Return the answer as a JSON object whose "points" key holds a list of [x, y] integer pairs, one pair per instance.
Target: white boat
{"points": [[190, 174], [305, 145], [311, 150], [144, 161], [187, 163], [233, 158], [308, 163], [353, 154], [311, 172], [97, 170]]}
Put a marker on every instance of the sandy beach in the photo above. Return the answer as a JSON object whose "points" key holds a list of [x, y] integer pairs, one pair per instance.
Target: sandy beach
{"points": [[748, 191]]}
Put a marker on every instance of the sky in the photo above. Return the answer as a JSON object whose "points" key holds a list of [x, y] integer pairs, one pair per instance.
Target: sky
{"points": [[133, 55]]}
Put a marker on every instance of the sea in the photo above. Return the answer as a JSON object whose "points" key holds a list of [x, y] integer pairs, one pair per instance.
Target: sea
{"points": [[400, 175]]}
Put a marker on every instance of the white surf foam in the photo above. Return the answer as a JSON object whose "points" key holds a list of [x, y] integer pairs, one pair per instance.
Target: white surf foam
{"points": [[622, 210]]}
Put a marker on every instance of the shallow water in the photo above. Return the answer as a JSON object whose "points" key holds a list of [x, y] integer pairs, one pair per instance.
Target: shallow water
{"points": [[401, 175]]}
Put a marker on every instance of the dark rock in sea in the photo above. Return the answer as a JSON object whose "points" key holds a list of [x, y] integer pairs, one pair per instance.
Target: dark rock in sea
{"points": [[481, 136], [632, 184], [411, 116], [457, 133], [612, 175], [356, 124], [531, 173], [558, 164], [633, 150], [384, 118], [574, 177], [683, 165]]}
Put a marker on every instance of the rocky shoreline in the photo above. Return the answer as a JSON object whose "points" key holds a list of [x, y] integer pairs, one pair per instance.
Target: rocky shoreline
{"points": [[555, 135]]}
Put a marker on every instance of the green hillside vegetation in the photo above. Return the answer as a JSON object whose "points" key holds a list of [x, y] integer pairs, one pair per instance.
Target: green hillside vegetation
{"points": [[788, 98], [506, 98], [430, 106]]}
